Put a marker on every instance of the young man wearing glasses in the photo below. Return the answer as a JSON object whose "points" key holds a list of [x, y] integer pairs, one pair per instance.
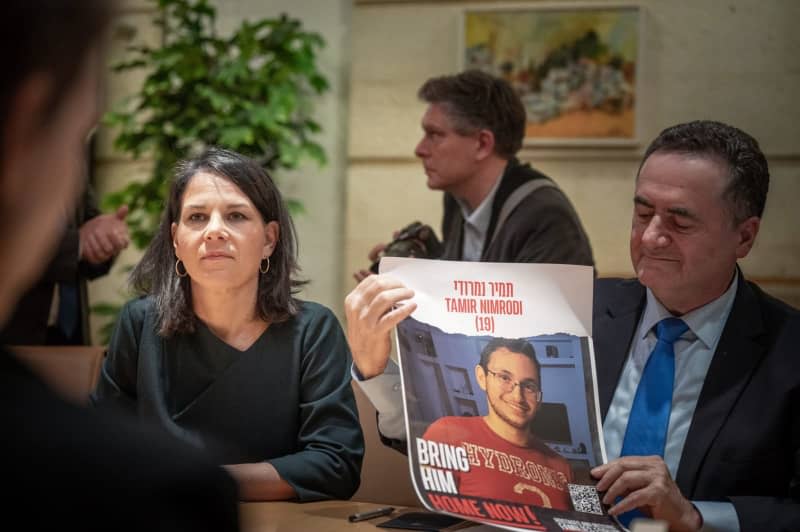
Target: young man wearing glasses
{"points": [[506, 460]]}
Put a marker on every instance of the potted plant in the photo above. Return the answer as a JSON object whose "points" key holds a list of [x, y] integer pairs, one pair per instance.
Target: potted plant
{"points": [[251, 91]]}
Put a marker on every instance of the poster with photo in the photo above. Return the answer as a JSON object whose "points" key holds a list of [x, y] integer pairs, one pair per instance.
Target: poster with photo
{"points": [[499, 384]]}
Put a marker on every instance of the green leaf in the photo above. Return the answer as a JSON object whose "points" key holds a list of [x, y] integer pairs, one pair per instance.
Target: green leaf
{"points": [[234, 137], [295, 207], [316, 152], [252, 90]]}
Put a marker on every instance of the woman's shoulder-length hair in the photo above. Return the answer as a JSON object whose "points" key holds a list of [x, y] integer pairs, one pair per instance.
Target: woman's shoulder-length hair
{"points": [[156, 275]]}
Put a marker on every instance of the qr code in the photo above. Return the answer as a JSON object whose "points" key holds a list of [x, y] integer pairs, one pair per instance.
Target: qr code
{"points": [[573, 525], [585, 499]]}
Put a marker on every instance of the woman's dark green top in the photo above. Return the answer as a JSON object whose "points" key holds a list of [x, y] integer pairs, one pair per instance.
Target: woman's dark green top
{"points": [[286, 400]]}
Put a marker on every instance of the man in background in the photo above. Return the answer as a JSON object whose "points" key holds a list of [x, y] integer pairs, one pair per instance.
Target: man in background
{"points": [[496, 209], [55, 311]]}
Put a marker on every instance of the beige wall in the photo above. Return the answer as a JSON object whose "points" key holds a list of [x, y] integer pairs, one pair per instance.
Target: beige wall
{"points": [[733, 61]]}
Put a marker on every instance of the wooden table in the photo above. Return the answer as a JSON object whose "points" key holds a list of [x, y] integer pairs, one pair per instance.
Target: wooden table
{"points": [[325, 516], [331, 516]]}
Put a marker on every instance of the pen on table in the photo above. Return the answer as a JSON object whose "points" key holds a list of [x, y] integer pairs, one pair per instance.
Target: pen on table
{"points": [[363, 516]]}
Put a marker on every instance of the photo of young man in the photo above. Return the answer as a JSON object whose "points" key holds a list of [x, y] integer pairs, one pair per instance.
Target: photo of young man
{"points": [[507, 461]]}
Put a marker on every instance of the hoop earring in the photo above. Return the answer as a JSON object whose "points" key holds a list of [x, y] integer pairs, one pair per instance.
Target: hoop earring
{"points": [[261, 267], [178, 271]]}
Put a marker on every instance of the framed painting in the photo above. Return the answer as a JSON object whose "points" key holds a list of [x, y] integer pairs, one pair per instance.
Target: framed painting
{"points": [[575, 66]]}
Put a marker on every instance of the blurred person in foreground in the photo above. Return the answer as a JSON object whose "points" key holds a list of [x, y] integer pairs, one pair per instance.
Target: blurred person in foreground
{"points": [[67, 467], [220, 353]]}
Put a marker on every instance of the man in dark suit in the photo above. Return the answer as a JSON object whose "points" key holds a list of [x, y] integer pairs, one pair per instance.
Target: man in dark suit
{"points": [[55, 311], [729, 455], [733, 436]]}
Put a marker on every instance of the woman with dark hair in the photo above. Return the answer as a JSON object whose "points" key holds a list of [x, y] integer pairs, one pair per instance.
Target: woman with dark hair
{"points": [[218, 351]]}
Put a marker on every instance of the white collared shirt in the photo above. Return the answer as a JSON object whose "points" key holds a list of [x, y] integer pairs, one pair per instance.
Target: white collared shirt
{"points": [[476, 224]]}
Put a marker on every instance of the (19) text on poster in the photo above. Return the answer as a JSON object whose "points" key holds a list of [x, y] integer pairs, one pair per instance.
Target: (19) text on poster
{"points": [[484, 299]]}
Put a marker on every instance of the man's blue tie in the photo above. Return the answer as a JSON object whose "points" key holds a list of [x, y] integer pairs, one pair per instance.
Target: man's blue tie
{"points": [[646, 434]]}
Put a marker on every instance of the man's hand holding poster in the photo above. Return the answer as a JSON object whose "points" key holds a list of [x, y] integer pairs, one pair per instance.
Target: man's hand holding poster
{"points": [[499, 385]]}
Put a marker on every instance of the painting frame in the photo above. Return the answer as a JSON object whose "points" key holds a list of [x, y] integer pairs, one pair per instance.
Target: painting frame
{"points": [[592, 101]]}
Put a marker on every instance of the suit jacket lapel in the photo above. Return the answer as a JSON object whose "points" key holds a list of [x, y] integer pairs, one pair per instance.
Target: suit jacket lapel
{"points": [[451, 223], [614, 325], [737, 355]]}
